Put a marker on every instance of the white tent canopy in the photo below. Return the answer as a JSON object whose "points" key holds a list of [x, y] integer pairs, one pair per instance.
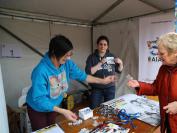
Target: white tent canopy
{"points": [[88, 12]]}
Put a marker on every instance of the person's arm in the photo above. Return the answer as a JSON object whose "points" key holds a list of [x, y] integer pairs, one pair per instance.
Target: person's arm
{"points": [[88, 64], [77, 74], [107, 80], [143, 88], [147, 88], [97, 67], [67, 113], [119, 63]]}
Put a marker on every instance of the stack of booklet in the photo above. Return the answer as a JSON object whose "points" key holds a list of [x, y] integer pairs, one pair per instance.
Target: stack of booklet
{"points": [[50, 129], [148, 109]]}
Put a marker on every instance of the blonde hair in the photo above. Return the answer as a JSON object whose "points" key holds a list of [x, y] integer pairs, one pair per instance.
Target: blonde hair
{"points": [[169, 41]]}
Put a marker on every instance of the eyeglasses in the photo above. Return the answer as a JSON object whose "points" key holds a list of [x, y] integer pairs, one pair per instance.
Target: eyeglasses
{"points": [[69, 54]]}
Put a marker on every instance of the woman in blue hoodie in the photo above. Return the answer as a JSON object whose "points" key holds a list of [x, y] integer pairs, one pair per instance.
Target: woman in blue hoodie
{"points": [[50, 82], [101, 64]]}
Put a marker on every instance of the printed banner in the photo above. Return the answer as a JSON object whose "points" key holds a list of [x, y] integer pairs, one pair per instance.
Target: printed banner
{"points": [[150, 28]]}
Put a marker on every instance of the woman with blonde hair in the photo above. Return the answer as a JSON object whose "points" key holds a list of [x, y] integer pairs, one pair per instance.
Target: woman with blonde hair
{"points": [[165, 84]]}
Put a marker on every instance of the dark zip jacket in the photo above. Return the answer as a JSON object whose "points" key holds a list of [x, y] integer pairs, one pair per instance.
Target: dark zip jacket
{"points": [[106, 69]]}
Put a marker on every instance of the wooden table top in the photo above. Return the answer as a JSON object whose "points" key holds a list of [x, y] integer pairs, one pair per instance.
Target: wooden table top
{"points": [[141, 127]]}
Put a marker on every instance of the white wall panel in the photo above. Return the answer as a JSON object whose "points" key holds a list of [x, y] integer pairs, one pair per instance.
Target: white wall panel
{"points": [[17, 71]]}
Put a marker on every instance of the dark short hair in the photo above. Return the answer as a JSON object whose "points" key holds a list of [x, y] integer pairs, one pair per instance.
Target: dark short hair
{"points": [[102, 37], [59, 46]]}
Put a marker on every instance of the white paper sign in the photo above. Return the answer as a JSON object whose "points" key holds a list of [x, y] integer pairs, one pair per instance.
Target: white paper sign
{"points": [[11, 51]]}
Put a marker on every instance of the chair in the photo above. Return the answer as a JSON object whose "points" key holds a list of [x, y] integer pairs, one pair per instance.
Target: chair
{"points": [[24, 118]]}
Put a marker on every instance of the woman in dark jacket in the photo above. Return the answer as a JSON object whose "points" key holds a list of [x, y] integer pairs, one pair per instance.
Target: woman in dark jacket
{"points": [[101, 64]]}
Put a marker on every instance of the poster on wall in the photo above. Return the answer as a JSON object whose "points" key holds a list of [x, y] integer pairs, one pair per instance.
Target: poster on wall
{"points": [[150, 29]]}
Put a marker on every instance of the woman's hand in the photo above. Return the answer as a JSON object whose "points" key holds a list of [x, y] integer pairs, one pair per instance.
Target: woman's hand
{"points": [[70, 115], [171, 108], [133, 83], [103, 61], [97, 67], [109, 79], [67, 113], [119, 61]]}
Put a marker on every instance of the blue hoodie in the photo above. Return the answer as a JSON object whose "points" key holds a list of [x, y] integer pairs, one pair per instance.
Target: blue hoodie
{"points": [[50, 83]]}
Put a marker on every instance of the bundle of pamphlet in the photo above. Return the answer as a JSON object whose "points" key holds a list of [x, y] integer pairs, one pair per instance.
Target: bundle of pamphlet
{"points": [[50, 129], [132, 103]]}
